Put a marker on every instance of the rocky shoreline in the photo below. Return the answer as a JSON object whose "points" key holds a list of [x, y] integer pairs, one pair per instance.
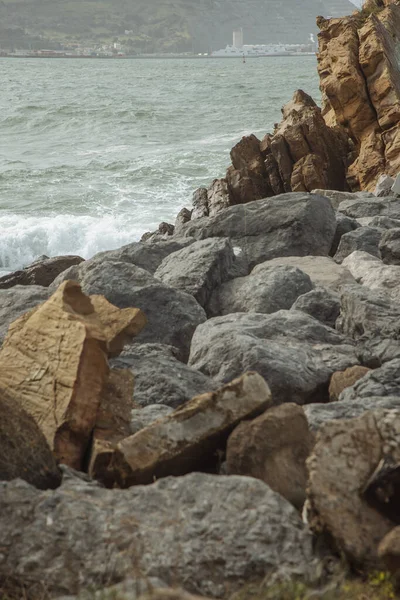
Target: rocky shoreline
{"points": [[219, 404]]}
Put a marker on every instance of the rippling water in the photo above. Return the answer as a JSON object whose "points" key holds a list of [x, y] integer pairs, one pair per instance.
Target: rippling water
{"points": [[93, 153]]}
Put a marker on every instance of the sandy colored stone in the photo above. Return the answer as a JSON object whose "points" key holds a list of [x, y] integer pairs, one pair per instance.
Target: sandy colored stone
{"points": [[188, 439], [274, 448], [344, 379], [54, 363], [345, 455]]}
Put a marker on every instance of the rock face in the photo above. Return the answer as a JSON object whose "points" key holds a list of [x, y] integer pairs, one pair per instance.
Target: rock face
{"points": [[24, 452], [41, 272], [266, 290], [295, 353], [188, 438], [287, 225], [205, 533], [159, 377], [360, 87], [345, 455], [54, 364], [344, 379], [274, 448], [199, 268], [126, 285]]}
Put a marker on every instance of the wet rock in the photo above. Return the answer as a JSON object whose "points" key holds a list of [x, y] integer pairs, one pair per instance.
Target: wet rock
{"points": [[286, 225], [199, 268], [389, 247], [16, 301], [126, 285], [295, 353], [142, 417], [371, 272], [159, 377], [318, 414], [206, 533], [24, 452], [322, 270], [189, 438], [365, 239], [266, 290], [344, 456], [41, 272], [273, 447], [54, 364], [148, 255], [344, 379], [321, 303], [343, 225]]}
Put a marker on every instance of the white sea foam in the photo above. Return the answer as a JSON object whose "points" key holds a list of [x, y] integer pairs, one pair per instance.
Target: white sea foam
{"points": [[23, 239]]}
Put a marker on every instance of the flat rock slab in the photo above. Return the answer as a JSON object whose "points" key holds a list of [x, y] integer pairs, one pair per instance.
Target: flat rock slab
{"points": [[294, 224], [208, 534], [188, 438], [295, 353], [322, 270], [345, 455]]}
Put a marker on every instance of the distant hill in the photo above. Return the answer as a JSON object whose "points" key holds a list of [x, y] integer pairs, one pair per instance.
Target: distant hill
{"points": [[161, 25]]}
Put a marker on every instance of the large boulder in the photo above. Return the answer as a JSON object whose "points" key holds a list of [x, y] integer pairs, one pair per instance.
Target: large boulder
{"points": [[172, 315], [274, 448], [16, 301], [295, 353], [189, 438], [371, 207], [345, 379], [371, 272], [345, 455], [206, 533], [322, 270], [266, 290], [54, 364], [199, 268], [337, 197], [294, 224], [41, 272], [321, 303], [343, 225], [146, 255], [160, 378], [384, 381], [364, 238], [389, 247], [24, 451]]}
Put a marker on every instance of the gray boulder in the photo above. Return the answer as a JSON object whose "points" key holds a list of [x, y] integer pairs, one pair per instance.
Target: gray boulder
{"points": [[382, 382], [142, 417], [321, 303], [390, 247], [337, 197], [318, 414], [364, 238], [159, 377], [371, 272], [199, 268], [322, 270], [267, 290], [384, 186], [208, 534], [294, 224], [381, 222], [41, 272], [16, 301], [146, 255], [343, 225], [295, 353], [371, 207], [172, 315]]}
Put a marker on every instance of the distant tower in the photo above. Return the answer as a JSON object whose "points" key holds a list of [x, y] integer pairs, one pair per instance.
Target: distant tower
{"points": [[238, 38]]}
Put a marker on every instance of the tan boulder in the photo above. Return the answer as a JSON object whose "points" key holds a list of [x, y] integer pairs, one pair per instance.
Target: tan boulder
{"points": [[344, 379], [218, 197], [274, 448], [246, 186], [54, 364], [24, 452], [246, 155], [344, 456], [112, 423], [190, 437]]}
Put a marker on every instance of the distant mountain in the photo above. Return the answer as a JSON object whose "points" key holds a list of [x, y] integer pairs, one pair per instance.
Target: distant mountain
{"points": [[161, 25]]}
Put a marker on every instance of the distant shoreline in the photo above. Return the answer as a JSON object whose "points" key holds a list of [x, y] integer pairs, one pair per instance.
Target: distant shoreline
{"points": [[147, 57]]}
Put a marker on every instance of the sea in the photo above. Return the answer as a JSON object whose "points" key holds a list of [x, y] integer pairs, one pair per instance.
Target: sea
{"points": [[93, 153]]}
